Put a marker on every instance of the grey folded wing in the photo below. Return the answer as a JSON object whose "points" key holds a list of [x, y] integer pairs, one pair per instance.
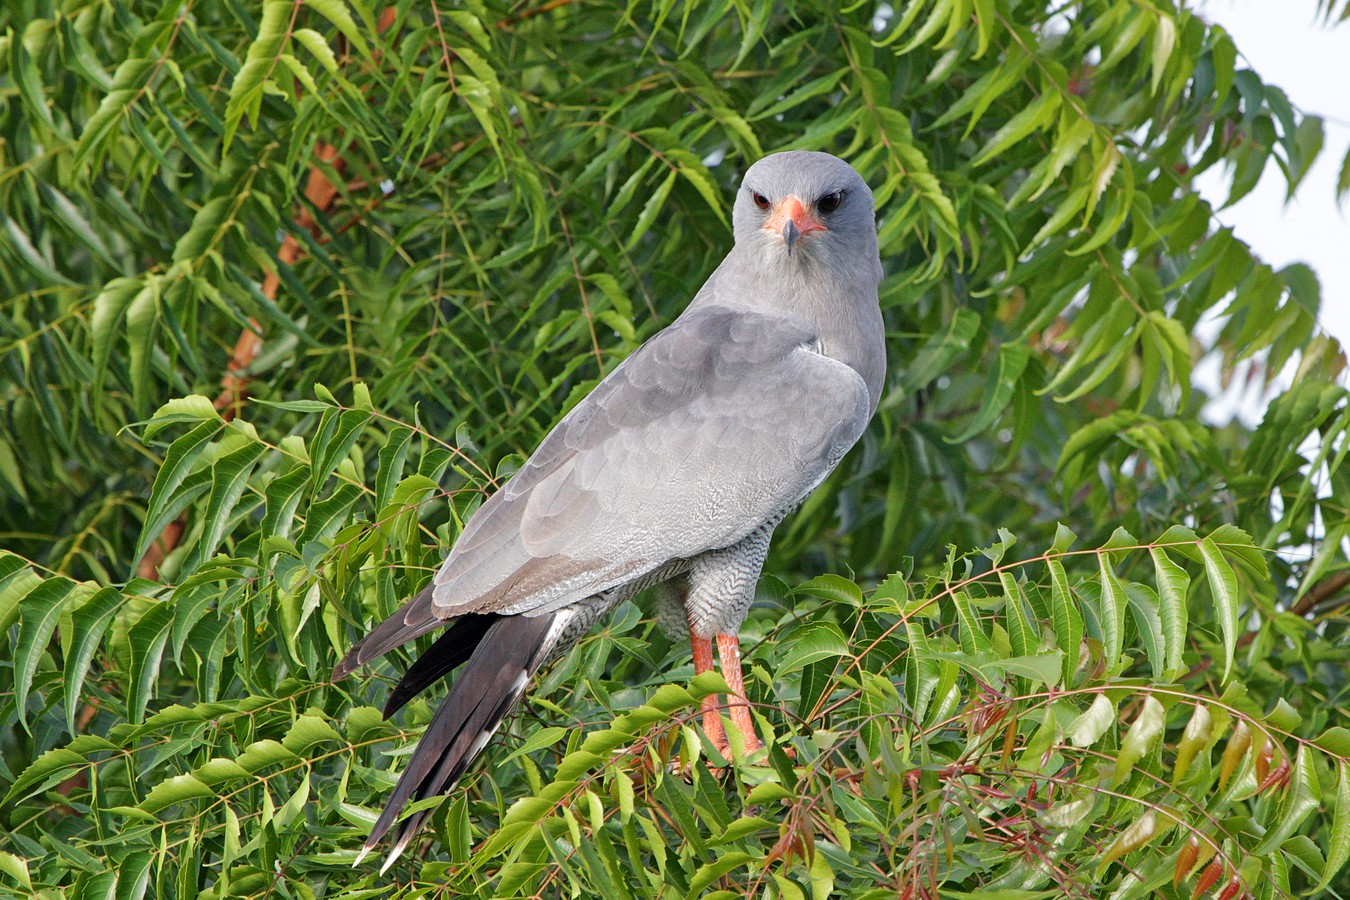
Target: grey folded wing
{"points": [[721, 421]]}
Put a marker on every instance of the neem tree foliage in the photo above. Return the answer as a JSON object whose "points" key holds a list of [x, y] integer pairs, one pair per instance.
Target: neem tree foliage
{"points": [[291, 286]]}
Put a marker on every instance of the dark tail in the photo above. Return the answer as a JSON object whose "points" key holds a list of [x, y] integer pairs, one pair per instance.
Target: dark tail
{"points": [[450, 650], [500, 665], [414, 619]]}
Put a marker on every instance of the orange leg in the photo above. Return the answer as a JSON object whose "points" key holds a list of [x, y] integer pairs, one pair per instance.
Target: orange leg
{"points": [[729, 648], [712, 716]]}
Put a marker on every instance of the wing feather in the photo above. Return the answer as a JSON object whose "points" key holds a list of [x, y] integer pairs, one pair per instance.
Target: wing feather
{"points": [[717, 423]]}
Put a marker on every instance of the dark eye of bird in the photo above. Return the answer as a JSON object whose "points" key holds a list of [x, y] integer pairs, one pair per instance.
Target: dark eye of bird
{"points": [[761, 201], [830, 202]]}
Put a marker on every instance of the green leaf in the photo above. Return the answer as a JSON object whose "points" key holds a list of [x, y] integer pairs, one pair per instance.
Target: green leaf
{"points": [[328, 453], [178, 462], [1138, 834], [974, 640], [941, 349], [16, 867], [1144, 608], [1193, 740], [142, 326], [39, 612], [192, 409], [109, 308], [1012, 361], [229, 478], [172, 791], [1066, 618], [817, 641], [692, 170], [656, 200], [1301, 798], [284, 494], [1139, 739], [307, 732], [1039, 114], [1043, 668], [24, 74], [1020, 631], [146, 641], [81, 642], [544, 737], [833, 588], [49, 769], [1173, 587], [1113, 601], [312, 41], [1092, 723], [1164, 40], [707, 873], [1337, 840], [1223, 586], [393, 457]]}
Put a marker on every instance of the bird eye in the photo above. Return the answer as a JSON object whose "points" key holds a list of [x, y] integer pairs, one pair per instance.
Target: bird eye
{"points": [[830, 202], [760, 200]]}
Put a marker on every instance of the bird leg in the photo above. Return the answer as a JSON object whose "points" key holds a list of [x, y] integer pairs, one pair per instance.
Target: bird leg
{"points": [[729, 648], [712, 716]]}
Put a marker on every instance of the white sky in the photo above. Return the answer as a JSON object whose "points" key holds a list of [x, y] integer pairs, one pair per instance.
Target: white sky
{"points": [[1285, 44]]}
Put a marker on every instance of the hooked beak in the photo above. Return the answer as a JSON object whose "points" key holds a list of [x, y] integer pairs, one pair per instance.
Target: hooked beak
{"points": [[792, 221]]}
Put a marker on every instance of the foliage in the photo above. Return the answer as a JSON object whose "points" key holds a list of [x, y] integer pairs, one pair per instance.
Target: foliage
{"points": [[519, 195]]}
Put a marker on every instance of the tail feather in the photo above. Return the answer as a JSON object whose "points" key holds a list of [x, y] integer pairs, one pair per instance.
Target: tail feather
{"points": [[450, 650], [511, 650], [414, 619]]}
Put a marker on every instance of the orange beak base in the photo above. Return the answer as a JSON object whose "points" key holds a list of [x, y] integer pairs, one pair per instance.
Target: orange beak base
{"points": [[793, 220]]}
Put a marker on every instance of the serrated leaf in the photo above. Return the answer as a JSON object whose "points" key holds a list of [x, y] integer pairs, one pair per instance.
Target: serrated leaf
{"points": [[312, 41], [284, 494], [834, 588], [1066, 618], [1040, 113], [336, 11], [998, 390], [1139, 833], [1303, 795], [88, 624], [974, 639], [1092, 723], [650, 210], [817, 641], [16, 867], [1223, 586], [544, 737], [1337, 840], [1173, 587], [172, 791], [192, 409], [1112, 602], [1139, 739], [49, 769], [178, 462], [39, 612], [1193, 740], [109, 307], [707, 873], [1148, 625], [146, 641]]}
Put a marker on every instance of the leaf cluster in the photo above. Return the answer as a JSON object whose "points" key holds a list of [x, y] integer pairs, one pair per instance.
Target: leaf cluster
{"points": [[342, 265]]}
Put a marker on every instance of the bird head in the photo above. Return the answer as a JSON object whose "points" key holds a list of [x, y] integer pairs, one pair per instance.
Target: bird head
{"points": [[801, 207]]}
